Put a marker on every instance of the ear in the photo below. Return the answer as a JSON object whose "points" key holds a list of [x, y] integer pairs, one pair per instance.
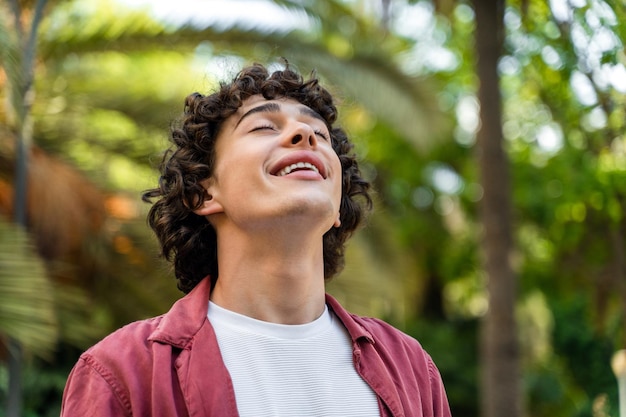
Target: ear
{"points": [[210, 205], [338, 220]]}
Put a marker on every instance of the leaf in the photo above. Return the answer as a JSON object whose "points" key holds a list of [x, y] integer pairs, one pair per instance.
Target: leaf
{"points": [[369, 75], [27, 312]]}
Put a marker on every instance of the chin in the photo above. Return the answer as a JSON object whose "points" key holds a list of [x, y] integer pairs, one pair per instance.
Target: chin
{"points": [[309, 208]]}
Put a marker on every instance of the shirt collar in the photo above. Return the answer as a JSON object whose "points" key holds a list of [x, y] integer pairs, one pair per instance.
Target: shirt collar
{"points": [[351, 322], [188, 314], [185, 318]]}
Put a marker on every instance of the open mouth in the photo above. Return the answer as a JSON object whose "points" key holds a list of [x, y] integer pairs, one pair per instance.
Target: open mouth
{"points": [[305, 162], [298, 166]]}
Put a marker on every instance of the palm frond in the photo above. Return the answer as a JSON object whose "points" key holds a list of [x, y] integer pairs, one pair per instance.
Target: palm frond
{"points": [[11, 63], [368, 75], [405, 103], [26, 295]]}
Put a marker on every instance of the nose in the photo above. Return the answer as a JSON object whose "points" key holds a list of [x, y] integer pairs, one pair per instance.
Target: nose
{"points": [[303, 135]]}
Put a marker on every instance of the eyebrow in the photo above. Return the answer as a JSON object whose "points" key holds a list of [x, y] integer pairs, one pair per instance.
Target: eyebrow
{"points": [[275, 108]]}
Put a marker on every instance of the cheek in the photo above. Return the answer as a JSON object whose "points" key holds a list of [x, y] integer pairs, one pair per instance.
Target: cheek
{"points": [[234, 161], [339, 181]]}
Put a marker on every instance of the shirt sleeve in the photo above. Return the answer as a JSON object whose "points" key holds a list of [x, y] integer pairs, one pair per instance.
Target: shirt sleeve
{"points": [[441, 407], [90, 391]]}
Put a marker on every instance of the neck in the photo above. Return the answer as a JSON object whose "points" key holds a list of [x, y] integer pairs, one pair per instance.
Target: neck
{"points": [[275, 277]]}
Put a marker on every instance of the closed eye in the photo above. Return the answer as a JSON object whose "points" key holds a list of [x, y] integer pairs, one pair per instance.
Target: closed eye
{"points": [[262, 127], [322, 134], [270, 127]]}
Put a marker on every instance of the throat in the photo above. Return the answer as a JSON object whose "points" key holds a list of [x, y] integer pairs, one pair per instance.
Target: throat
{"points": [[271, 298], [271, 283]]}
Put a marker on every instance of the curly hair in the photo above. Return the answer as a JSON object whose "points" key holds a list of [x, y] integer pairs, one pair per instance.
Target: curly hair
{"points": [[188, 240]]}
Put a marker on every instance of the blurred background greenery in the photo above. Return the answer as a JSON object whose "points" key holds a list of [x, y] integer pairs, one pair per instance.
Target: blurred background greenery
{"points": [[108, 76]]}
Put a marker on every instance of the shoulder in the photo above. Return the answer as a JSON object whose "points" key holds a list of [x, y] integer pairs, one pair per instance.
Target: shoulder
{"points": [[99, 380], [410, 368], [126, 348], [408, 362], [127, 340]]}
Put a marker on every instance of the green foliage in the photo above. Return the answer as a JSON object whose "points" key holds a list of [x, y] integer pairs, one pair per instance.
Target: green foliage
{"points": [[26, 295], [586, 353], [569, 196], [453, 346], [42, 384]]}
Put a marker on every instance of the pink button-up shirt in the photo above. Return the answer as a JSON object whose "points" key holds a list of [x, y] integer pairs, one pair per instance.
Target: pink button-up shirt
{"points": [[171, 366]]}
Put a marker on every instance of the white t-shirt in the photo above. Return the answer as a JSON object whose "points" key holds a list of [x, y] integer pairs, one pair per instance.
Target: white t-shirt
{"points": [[291, 370]]}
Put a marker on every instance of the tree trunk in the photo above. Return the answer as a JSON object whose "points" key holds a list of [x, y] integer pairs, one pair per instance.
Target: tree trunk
{"points": [[21, 92], [500, 386]]}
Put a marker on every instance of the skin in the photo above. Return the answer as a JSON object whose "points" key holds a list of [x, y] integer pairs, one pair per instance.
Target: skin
{"points": [[270, 227]]}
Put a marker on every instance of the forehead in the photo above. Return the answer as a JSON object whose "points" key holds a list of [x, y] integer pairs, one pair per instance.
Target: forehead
{"points": [[258, 99]]}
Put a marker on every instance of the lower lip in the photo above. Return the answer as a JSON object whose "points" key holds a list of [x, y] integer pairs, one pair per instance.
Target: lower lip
{"points": [[303, 175]]}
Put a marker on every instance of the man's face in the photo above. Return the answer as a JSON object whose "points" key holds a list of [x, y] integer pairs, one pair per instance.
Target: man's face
{"points": [[275, 163]]}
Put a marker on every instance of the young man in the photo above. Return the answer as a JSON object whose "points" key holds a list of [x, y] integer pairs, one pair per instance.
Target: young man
{"points": [[257, 197]]}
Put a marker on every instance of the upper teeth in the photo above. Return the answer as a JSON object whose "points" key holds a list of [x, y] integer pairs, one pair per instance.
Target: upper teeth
{"points": [[286, 170]]}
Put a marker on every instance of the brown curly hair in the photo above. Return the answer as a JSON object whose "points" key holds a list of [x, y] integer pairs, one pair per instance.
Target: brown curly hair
{"points": [[187, 239]]}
